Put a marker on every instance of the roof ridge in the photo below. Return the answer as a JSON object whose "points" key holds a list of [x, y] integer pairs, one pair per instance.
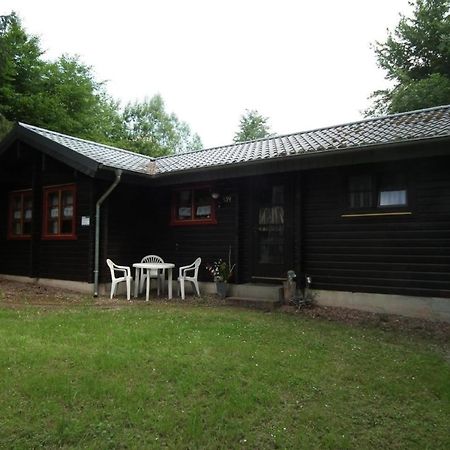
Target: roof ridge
{"points": [[26, 125], [279, 136]]}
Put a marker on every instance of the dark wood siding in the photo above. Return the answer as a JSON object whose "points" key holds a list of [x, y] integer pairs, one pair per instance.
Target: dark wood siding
{"points": [[37, 258], [388, 254], [139, 224]]}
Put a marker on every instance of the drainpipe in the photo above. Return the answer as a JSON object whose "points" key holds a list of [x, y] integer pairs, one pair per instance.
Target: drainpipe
{"points": [[97, 227]]}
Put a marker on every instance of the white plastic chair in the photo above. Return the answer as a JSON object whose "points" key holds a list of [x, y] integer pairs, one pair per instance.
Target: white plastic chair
{"points": [[116, 280], [153, 273], [193, 279]]}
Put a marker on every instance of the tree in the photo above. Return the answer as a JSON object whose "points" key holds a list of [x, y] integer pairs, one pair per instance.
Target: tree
{"points": [[149, 129], [252, 126], [416, 57], [5, 127], [62, 95], [20, 68]]}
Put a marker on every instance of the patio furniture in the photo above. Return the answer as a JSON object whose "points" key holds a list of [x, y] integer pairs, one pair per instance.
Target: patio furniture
{"points": [[152, 273], [141, 267], [192, 278], [116, 280]]}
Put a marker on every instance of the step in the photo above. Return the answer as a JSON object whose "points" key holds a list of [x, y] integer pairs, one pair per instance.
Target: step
{"points": [[265, 304], [256, 291]]}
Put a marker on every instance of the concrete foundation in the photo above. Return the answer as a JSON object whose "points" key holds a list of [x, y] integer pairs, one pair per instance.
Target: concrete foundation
{"points": [[430, 308]]}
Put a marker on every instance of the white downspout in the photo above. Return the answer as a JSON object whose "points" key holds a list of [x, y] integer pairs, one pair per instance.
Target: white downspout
{"points": [[97, 228]]}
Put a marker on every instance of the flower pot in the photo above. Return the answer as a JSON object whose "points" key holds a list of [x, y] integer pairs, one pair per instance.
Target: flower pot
{"points": [[221, 289]]}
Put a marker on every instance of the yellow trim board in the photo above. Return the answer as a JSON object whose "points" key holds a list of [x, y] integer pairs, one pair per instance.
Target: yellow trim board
{"points": [[405, 213]]}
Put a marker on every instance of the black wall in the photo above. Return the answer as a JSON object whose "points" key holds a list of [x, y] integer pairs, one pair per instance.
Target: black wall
{"points": [[25, 168], [139, 224], [407, 255], [388, 254]]}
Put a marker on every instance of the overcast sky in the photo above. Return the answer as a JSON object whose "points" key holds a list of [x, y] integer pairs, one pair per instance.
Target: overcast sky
{"points": [[303, 64]]}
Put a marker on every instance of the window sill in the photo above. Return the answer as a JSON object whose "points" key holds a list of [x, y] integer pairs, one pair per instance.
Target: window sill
{"points": [[60, 237], [180, 223], [377, 214]]}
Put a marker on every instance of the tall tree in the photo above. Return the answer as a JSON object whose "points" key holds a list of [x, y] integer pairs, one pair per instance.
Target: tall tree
{"points": [[62, 95], [5, 126], [20, 68], [416, 57], [252, 126], [151, 130]]}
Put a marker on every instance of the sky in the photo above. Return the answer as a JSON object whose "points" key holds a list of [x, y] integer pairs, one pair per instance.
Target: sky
{"points": [[302, 64]]}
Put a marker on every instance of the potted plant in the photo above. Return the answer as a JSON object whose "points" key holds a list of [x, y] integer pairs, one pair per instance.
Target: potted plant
{"points": [[221, 271]]}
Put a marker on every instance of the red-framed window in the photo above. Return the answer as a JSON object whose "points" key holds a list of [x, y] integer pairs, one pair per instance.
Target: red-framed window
{"points": [[20, 214], [59, 212], [193, 206]]}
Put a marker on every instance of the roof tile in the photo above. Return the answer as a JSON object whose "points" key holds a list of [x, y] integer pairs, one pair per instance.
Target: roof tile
{"points": [[405, 127]]}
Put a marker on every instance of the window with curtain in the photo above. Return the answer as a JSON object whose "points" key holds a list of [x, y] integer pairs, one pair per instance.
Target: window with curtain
{"points": [[20, 214], [193, 206], [360, 191], [59, 212], [392, 190], [370, 191]]}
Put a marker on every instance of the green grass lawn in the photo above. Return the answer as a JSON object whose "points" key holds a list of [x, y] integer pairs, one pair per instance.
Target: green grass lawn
{"points": [[199, 377]]}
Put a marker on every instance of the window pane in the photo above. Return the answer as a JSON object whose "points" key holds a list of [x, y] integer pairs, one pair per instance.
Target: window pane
{"points": [[67, 204], [67, 198], [53, 213], [360, 191], [27, 228], [184, 205], [271, 215], [277, 195], [184, 212], [68, 211], [17, 202], [52, 227], [392, 198], [202, 202], [392, 190], [28, 208], [17, 228], [53, 199], [360, 199], [66, 227], [392, 182], [53, 205], [21, 213], [184, 198]]}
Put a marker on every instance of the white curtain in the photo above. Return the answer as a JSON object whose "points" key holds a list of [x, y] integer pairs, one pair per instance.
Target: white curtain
{"points": [[391, 198]]}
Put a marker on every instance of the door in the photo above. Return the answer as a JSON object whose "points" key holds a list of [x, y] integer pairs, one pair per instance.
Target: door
{"points": [[272, 230]]}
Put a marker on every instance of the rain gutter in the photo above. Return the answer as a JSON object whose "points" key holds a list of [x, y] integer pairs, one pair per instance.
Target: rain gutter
{"points": [[118, 173]]}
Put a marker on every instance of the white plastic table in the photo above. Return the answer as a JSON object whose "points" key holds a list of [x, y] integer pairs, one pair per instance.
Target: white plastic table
{"points": [[148, 267]]}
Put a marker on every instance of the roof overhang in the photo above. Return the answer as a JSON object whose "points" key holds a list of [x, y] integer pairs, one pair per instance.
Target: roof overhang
{"points": [[51, 148], [309, 161]]}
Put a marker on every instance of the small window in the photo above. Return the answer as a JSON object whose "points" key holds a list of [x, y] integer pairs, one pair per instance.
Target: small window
{"points": [[377, 191], [192, 206], [392, 190], [20, 214], [59, 212]]}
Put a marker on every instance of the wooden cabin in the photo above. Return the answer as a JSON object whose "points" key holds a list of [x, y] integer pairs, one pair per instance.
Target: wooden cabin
{"points": [[362, 208]]}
